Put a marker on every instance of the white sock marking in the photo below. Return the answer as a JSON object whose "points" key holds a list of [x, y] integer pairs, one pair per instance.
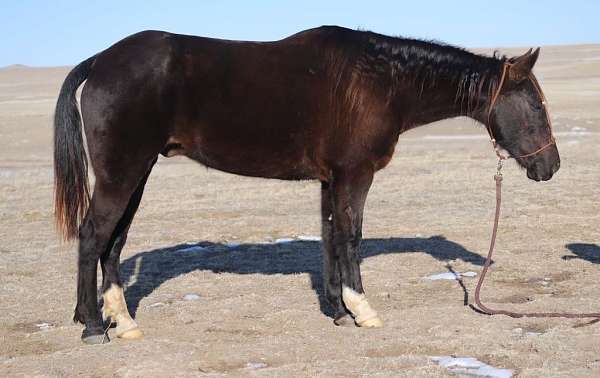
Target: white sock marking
{"points": [[358, 305]]}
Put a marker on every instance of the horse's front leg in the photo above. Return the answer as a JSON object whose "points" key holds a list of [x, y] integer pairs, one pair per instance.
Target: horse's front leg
{"points": [[331, 271], [349, 189]]}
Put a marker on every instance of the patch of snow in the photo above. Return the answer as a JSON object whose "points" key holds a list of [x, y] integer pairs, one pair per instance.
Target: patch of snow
{"points": [[192, 249], [450, 276], [44, 326], [157, 304], [471, 367], [191, 297], [232, 244], [444, 276], [283, 240], [578, 129], [256, 365], [7, 173], [520, 331], [309, 238]]}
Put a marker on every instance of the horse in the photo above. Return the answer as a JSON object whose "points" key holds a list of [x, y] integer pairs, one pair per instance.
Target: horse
{"points": [[324, 104]]}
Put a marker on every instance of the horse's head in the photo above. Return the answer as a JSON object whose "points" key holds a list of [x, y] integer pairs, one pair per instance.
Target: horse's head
{"points": [[518, 119]]}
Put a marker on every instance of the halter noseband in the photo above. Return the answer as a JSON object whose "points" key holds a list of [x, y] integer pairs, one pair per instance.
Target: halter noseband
{"points": [[537, 87]]}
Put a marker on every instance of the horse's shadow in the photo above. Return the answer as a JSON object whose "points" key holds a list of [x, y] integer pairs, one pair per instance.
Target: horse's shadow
{"points": [[584, 251], [146, 271]]}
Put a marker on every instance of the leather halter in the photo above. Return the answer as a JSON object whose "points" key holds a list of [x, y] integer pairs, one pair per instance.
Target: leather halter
{"points": [[537, 87]]}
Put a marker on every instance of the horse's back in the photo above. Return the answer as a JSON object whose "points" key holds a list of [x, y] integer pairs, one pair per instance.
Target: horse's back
{"points": [[256, 108], [266, 109]]}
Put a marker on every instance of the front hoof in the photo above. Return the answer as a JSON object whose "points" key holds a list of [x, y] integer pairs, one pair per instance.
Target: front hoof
{"points": [[375, 322], [93, 336], [344, 320], [131, 334]]}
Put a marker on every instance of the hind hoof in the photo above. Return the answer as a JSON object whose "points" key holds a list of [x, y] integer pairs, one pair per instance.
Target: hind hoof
{"points": [[94, 337], [131, 334], [344, 321], [375, 322]]}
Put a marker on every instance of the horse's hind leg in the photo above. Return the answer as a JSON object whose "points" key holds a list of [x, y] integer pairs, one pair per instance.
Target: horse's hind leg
{"points": [[109, 203], [350, 188], [115, 306]]}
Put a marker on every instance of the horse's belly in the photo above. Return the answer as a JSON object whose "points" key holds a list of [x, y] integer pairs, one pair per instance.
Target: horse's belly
{"points": [[257, 164], [285, 162]]}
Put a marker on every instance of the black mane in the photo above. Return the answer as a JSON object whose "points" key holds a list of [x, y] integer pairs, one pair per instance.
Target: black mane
{"points": [[426, 64]]}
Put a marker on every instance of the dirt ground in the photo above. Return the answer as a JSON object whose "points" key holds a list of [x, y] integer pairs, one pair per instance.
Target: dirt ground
{"points": [[247, 305]]}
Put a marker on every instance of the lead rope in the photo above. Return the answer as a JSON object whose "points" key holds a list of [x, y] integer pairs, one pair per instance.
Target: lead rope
{"points": [[498, 178], [513, 314]]}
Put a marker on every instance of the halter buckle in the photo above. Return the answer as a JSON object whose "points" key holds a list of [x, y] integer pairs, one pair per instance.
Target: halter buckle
{"points": [[499, 168]]}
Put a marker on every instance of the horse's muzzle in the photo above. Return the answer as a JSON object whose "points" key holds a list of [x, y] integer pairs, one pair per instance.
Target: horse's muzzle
{"points": [[543, 167]]}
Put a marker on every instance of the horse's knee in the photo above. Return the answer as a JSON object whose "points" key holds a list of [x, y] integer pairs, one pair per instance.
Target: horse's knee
{"points": [[115, 308]]}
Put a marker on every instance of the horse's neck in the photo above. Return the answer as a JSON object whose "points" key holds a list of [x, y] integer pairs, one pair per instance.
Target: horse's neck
{"points": [[448, 97], [432, 107], [432, 93]]}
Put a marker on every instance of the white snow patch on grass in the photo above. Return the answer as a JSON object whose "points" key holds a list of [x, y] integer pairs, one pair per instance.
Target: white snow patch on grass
{"points": [[157, 304], [44, 326], [309, 238], [283, 240], [256, 365], [470, 366], [578, 129], [450, 276], [191, 297], [192, 249], [532, 333]]}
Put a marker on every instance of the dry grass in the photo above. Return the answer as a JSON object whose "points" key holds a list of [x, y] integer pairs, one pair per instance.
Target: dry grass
{"points": [[259, 304]]}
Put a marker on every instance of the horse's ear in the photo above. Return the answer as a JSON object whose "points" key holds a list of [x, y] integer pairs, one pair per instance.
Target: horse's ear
{"points": [[521, 66]]}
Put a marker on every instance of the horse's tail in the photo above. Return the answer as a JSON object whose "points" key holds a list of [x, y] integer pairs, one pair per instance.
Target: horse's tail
{"points": [[71, 187]]}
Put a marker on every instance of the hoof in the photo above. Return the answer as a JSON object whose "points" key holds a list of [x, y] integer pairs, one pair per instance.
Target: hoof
{"points": [[344, 321], [375, 322], [94, 336], [131, 334]]}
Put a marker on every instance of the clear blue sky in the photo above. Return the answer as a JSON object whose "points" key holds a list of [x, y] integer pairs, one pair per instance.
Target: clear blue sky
{"points": [[61, 32]]}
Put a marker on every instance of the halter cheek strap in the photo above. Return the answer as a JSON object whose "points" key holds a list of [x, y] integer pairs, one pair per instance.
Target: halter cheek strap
{"points": [[537, 87]]}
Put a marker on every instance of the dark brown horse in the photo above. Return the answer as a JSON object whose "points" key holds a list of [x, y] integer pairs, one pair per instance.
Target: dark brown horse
{"points": [[326, 104]]}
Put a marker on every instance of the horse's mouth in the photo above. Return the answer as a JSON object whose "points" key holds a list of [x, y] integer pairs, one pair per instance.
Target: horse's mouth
{"points": [[536, 176], [541, 172]]}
